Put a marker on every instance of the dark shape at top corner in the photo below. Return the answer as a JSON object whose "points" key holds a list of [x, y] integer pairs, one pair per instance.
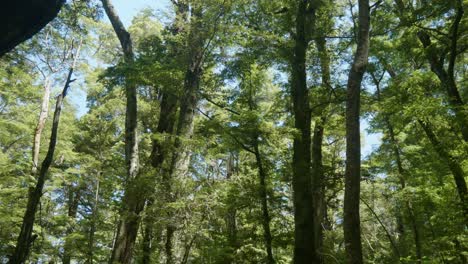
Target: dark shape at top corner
{"points": [[21, 19]]}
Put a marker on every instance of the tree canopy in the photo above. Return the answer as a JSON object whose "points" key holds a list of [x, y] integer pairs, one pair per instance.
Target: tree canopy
{"points": [[232, 131]]}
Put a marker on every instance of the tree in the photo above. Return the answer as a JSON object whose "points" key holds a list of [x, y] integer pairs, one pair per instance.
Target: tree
{"points": [[26, 238], [131, 204], [304, 246], [246, 143], [351, 224]]}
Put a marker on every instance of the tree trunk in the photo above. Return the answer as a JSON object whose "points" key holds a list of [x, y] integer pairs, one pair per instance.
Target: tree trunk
{"points": [[317, 141], [147, 247], [170, 229], [188, 247], [351, 221], [416, 233], [304, 247], [40, 127], [400, 229], [231, 225], [165, 127], [161, 148], [188, 104], [74, 197], [409, 208], [133, 201], [318, 186], [26, 238], [160, 151], [94, 218], [264, 202]]}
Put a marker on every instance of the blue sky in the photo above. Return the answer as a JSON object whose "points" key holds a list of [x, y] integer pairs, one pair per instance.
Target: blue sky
{"points": [[127, 9]]}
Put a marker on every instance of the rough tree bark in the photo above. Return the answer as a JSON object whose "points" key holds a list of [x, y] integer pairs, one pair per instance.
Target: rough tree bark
{"points": [[133, 200], [148, 236], [263, 193], [318, 185], [351, 220], [26, 237], [160, 151], [318, 176], [184, 130], [304, 246]]}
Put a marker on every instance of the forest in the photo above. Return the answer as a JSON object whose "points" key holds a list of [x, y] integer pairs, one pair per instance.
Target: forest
{"points": [[234, 131]]}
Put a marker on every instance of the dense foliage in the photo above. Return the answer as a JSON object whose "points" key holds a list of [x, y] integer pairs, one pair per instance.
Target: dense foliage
{"points": [[216, 168]]}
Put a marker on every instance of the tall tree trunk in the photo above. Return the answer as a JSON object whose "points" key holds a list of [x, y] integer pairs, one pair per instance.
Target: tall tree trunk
{"points": [[318, 185], [160, 151], [317, 142], [133, 201], [26, 238], [38, 131], [161, 148], [74, 197], [184, 130], [94, 218], [351, 221], [408, 205], [416, 233], [230, 219], [40, 127], [167, 119], [170, 229], [262, 174], [147, 247], [304, 247]]}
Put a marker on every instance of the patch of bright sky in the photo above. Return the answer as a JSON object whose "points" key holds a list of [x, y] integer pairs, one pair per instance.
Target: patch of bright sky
{"points": [[370, 141], [127, 9]]}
